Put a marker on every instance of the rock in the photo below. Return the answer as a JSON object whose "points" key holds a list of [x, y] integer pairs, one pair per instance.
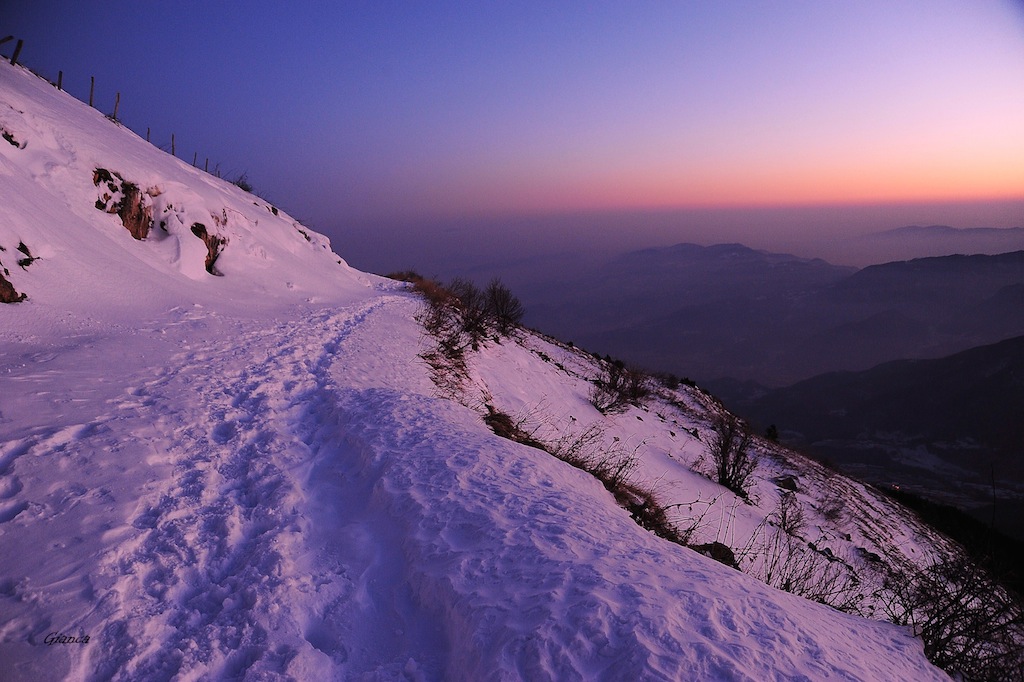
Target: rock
{"points": [[214, 245], [8, 294]]}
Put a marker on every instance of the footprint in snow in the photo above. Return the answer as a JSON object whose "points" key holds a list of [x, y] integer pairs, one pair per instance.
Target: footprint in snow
{"points": [[223, 432], [9, 487]]}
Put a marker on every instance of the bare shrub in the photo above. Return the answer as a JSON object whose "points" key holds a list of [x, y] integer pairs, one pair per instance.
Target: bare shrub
{"points": [[448, 370], [800, 570], [242, 183], [787, 562], [689, 517], [832, 509], [789, 514], [505, 310], [464, 308], [513, 429], [586, 450], [644, 507], [970, 625], [471, 307], [405, 276], [728, 448], [441, 318], [577, 447], [618, 387], [613, 466]]}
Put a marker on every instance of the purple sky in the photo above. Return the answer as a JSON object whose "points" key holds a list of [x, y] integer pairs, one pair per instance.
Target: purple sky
{"points": [[374, 119]]}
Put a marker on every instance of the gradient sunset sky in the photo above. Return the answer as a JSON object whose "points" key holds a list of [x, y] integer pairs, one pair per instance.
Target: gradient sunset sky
{"points": [[364, 112]]}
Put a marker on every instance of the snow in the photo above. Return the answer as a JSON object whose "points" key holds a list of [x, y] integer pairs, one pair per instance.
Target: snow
{"points": [[253, 477]]}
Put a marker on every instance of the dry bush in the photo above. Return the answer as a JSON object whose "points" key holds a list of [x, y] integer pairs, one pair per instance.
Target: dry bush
{"points": [[441, 319], [471, 308], [505, 310], [513, 429], [731, 463], [491, 311], [644, 507], [971, 626], [832, 509], [777, 555], [613, 465], [689, 517], [618, 387], [789, 514]]}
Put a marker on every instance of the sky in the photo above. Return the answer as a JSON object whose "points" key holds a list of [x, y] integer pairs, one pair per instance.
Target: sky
{"points": [[389, 125]]}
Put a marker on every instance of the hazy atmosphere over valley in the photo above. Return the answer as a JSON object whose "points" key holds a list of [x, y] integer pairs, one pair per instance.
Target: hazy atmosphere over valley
{"points": [[512, 341]]}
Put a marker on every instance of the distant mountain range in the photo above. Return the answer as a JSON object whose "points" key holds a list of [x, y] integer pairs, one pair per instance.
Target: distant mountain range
{"points": [[731, 311], [917, 241], [949, 428]]}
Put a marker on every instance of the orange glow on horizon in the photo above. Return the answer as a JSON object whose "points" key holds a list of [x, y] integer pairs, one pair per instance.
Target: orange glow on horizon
{"points": [[849, 185]]}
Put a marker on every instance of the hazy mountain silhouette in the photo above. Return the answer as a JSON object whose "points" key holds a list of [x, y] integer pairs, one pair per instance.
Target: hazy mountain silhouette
{"points": [[916, 241], [943, 427], [731, 311]]}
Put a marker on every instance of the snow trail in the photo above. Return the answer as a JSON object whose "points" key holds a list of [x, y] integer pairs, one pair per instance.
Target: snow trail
{"points": [[208, 577], [193, 580]]}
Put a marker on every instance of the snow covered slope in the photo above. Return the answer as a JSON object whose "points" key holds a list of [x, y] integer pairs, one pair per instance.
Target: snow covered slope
{"points": [[253, 476]]}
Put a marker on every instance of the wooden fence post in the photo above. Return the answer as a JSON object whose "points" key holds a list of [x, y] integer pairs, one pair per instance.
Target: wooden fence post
{"points": [[17, 51], [195, 155], [172, 145], [147, 134], [117, 103], [92, 88], [206, 166], [60, 80]]}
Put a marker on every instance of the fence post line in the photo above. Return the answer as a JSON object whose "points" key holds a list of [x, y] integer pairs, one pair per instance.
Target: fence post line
{"points": [[195, 155], [60, 80], [17, 51], [147, 134], [206, 166], [92, 88], [172, 145], [117, 103]]}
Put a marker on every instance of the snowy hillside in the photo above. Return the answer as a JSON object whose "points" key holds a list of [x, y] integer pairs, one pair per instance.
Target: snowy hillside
{"points": [[244, 468]]}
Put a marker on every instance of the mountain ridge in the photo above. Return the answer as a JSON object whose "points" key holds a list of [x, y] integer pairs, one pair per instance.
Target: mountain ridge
{"points": [[960, 412], [732, 311]]}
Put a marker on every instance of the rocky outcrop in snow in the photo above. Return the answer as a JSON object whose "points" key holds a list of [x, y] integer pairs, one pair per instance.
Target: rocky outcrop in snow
{"points": [[214, 245], [8, 294], [126, 200]]}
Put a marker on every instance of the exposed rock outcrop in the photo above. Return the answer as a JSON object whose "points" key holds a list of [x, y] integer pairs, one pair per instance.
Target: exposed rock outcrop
{"points": [[29, 259], [8, 294], [214, 245], [9, 136], [126, 200]]}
